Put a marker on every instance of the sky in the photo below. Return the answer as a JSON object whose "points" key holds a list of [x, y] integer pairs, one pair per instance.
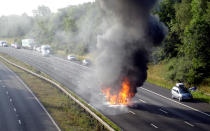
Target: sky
{"points": [[18, 7]]}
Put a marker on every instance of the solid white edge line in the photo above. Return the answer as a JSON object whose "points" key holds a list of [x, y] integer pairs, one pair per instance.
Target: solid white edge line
{"points": [[177, 102], [163, 111], [36, 100], [154, 125], [142, 101], [15, 110], [132, 112], [40, 104], [189, 123]]}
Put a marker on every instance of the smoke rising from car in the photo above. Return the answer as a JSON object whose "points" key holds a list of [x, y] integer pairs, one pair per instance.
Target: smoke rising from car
{"points": [[123, 50]]}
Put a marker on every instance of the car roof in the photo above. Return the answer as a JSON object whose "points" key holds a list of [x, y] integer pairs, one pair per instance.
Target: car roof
{"points": [[179, 84]]}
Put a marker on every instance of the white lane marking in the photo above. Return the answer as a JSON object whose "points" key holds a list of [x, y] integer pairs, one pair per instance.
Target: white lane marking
{"points": [[19, 121], [189, 123], [132, 112], [3, 86], [7, 92], [163, 111], [154, 125], [10, 100], [36, 99], [142, 101], [38, 102], [15, 110], [177, 102]]}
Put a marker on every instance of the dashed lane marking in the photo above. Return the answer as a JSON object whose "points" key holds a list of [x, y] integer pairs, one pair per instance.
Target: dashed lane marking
{"points": [[163, 111], [153, 125], [142, 101], [132, 112], [189, 124]]}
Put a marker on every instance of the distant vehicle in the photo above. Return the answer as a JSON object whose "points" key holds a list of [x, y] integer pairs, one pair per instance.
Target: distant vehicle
{"points": [[34, 47], [28, 43], [45, 50], [180, 92], [12, 45], [16, 45], [86, 62], [3, 44], [38, 49], [71, 58]]}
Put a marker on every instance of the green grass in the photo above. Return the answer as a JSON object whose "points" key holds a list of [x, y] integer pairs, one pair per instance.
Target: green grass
{"points": [[156, 76], [68, 114]]}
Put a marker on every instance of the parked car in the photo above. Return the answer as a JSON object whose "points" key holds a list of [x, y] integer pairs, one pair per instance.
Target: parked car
{"points": [[71, 58], [86, 62], [180, 92]]}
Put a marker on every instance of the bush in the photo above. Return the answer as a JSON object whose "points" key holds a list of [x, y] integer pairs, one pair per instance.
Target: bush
{"points": [[179, 69]]}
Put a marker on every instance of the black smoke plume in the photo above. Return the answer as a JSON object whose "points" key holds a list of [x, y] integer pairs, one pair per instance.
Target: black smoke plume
{"points": [[123, 50]]}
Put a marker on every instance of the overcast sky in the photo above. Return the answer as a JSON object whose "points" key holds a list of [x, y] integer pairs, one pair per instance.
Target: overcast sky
{"points": [[18, 7]]}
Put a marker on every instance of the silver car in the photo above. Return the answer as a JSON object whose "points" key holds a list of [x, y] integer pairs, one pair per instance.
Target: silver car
{"points": [[180, 92], [71, 58]]}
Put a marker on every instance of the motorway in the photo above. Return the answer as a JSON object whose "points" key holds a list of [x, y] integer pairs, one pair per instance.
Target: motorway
{"points": [[152, 108], [20, 110]]}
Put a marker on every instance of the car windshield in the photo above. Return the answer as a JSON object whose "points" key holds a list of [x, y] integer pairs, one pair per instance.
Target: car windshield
{"points": [[183, 90]]}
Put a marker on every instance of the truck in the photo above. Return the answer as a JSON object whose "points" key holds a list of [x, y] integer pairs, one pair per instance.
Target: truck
{"points": [[28, 43]]}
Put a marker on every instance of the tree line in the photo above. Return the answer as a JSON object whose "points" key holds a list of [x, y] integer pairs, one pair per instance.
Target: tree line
{"points": [[74, 29], [187, 46]]}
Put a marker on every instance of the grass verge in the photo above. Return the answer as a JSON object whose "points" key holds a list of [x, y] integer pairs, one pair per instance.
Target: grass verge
{"points": [[68, 114], [156, 76]]}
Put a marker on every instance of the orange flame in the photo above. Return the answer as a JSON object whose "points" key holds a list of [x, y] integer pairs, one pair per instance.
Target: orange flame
{"points": [[123, 97]]}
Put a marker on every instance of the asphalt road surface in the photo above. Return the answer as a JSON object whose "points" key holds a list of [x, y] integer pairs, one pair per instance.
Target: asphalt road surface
{"points": [[19, 109], [152, 108]]}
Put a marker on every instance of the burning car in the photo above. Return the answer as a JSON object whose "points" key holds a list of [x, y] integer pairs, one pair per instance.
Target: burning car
{"points": [[123, 97]]}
